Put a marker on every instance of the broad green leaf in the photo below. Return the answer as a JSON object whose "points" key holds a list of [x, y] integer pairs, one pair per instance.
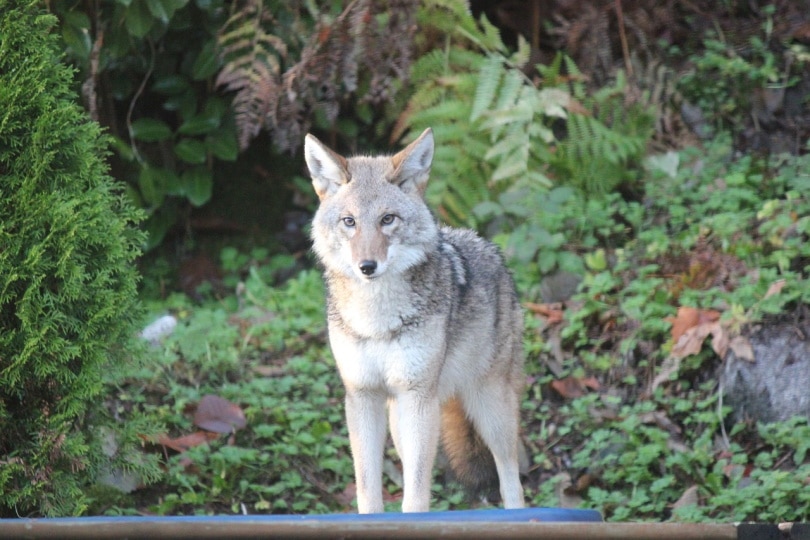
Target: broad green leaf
{"points": [[76, 33], [546, 260], [199, 183], [170, 84], [596, 260], [157, 225], [206, 63], [78, 40], [199, 125], [191, 151], [150, 130], [173, 184], [122, 148], [153, 182], [184, 104], [215, 107], [138, 19], [158, 10], [223, 144]]}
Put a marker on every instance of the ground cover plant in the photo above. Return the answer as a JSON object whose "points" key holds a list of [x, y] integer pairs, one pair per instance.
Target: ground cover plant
{"points": [[611, 421], [646, 243]]}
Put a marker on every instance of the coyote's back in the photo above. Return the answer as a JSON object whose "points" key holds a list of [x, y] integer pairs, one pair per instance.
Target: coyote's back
{"points": [[423, 319]]}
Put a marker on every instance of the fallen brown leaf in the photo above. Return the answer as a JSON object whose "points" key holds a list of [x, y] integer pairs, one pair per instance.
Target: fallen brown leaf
{"points": [[689, 497], [689, 317], [720, 339], [219, 415], [775, 288], [553, 313], [573, 387], [181, 444], [691, 341], [661, 420], [742, 348]]}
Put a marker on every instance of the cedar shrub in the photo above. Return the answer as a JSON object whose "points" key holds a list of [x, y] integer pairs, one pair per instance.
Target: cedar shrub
{"points": [[68, 284]]}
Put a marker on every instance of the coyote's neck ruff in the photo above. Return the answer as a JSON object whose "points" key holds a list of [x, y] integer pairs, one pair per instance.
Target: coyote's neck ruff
{"points": [[421, 317]]}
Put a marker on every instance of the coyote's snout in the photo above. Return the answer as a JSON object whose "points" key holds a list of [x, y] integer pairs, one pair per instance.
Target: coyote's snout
{"points": [[423, 320]]}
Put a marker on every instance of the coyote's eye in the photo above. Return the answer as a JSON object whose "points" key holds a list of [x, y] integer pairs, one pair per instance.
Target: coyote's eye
{"points": [[387, 219], [348, 221]]}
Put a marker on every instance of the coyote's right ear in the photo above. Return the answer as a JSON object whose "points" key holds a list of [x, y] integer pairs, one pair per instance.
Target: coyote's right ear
{"points": [[328, 169]]}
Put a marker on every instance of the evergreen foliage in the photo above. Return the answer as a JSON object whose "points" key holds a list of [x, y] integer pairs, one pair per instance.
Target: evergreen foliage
{"points": [[67, 282]]}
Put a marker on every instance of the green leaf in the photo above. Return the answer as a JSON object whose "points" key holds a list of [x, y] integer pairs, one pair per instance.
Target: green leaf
{"points": [[138, 19], [157, 225], [158, 10], [77, 41], [153, 182], [191, 151], [199, 183], [170, 84], [76, 34], [199, 125], [206, 63], [150, 130], [596, 260], [122, 148], [185, 104], [223, 144]]}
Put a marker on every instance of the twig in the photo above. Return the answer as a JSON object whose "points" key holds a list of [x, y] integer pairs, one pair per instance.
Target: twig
{"points": [[135, 98], [628, 66]]}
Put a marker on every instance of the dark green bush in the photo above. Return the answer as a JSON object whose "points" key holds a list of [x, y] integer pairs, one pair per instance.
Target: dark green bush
{"points": [[68, 240]]}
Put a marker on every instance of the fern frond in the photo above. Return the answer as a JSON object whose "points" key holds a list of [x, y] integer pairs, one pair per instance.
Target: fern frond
{"points": [[432, 64], [489, 78], [513, 82], [442, 112], [251, 68]]}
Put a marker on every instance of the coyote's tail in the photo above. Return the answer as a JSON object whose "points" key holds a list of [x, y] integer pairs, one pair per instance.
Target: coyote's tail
{"points": [[471, 461]]}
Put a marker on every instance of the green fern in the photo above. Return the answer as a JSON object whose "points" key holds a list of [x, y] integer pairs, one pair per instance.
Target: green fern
{"points": [[489, 80], [602, 143], [518, 122], [251, 67]]}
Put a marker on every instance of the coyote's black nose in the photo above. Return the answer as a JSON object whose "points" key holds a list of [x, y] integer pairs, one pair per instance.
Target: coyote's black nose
{"points": [[368, 267]]}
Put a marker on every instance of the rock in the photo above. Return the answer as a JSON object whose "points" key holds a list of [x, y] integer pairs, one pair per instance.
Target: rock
{"points": [[157, 330], [776, 385]]}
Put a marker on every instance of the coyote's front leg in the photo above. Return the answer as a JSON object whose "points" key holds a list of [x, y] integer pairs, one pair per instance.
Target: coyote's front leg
{"points": [[365, 417], [417, 424]]}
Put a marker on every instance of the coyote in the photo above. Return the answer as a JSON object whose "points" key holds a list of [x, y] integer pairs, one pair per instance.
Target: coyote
{"points": [[422, 318]]}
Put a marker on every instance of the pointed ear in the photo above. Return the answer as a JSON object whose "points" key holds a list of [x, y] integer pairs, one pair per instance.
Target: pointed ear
{"points": [[328, 169], [412, 164]]}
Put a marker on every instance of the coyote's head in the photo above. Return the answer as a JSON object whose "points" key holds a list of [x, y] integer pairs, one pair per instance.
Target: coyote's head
{"points": [[372, 218]]}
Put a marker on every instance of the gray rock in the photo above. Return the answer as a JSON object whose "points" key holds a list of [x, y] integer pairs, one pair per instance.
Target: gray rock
{"points": [[776, 385]]}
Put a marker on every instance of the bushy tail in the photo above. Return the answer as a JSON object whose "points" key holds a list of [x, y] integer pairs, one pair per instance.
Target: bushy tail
{"points": [[470, 459]]}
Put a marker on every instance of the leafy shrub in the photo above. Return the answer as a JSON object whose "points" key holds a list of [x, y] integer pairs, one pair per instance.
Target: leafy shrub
{"points": [[715, 232], [67, 279], [739, 73], [186, 86]]}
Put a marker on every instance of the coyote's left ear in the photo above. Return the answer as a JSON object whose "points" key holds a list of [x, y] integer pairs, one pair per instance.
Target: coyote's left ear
{"points": [[412, 164], [328, 169]]}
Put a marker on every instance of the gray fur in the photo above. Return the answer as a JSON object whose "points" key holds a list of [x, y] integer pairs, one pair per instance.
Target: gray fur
{"points": [[423, 319]]}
